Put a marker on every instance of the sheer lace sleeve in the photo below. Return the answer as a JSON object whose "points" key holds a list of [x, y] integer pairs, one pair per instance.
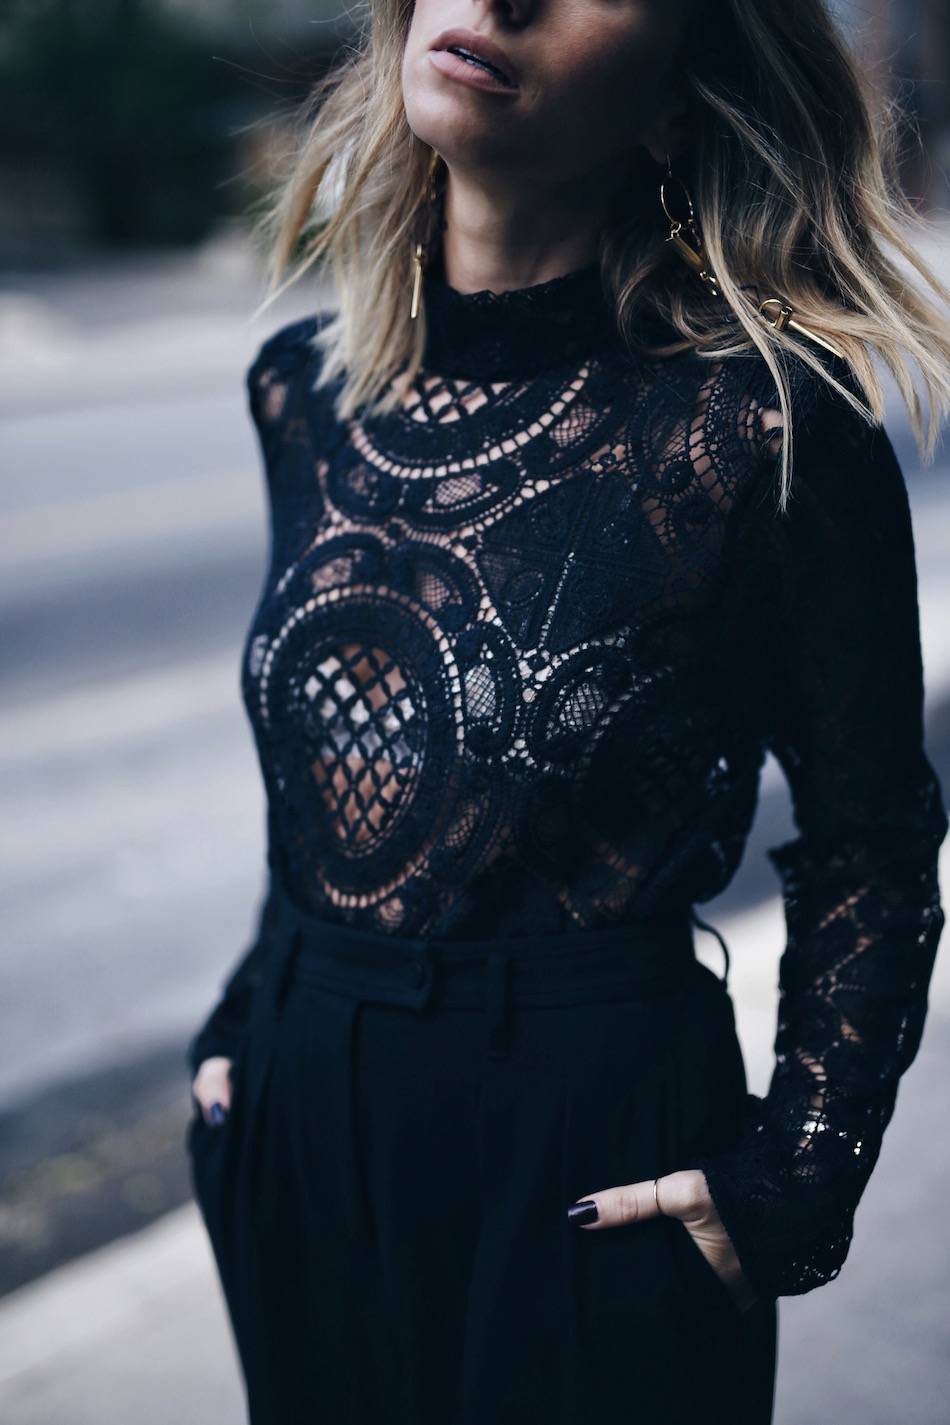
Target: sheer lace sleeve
{"points": [[224, 1027], [861, 896], [268, 382]]}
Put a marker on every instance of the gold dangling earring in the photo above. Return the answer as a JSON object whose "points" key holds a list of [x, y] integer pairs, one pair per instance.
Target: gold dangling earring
{"points": [[691, 251], [695, 256], [419, 255]]}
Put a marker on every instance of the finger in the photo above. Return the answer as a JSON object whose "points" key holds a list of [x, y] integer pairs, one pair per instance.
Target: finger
{"points": [[212, 1108], [615, 1207], [212, 1089]]}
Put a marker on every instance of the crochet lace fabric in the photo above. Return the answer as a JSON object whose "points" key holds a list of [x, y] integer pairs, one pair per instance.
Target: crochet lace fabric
{"points": [[520, 651]]}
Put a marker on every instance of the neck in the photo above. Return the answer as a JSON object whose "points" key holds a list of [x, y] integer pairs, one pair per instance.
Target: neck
{"points": [[510, 239]]}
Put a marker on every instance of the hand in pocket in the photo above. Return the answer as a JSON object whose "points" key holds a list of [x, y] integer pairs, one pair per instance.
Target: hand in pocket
{"points": [[211, 1088], [684, 1195]]}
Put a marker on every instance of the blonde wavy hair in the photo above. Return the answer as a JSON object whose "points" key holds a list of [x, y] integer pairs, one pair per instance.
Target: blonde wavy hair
{"points": [[793, 168]]}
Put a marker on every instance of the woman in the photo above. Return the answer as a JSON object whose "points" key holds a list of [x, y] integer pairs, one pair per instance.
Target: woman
{"points": [[472, 1137]]}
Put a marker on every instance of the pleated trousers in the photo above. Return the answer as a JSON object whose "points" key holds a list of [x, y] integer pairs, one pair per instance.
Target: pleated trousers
{"points": [[387, 1198]]}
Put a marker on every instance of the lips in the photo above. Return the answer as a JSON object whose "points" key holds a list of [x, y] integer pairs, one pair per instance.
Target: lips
{"points": [[480, 48]]}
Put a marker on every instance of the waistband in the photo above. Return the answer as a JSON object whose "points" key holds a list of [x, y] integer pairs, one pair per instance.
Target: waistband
{"points": [[499, 973], [638, 959], [642, 958]]}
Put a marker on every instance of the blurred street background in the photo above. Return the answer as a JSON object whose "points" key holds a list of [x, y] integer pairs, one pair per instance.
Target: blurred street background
{"points": [[136, 137]]}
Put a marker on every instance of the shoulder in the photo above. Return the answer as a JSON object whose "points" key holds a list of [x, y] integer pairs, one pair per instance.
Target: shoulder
{"points": [[729, 400], [817, 407], [719, 414], [836, 450], [845, 481], [290, 351], [848, 501]]}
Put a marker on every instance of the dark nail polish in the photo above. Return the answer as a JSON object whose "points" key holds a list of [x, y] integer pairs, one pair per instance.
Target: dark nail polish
{"points": [[217, 1113], [583, 1212]]}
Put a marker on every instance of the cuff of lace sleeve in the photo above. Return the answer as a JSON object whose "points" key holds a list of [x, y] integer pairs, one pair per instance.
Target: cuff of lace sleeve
{"points": [[721, 1183], [725, 1174], [222, 1032], [210, 1046]]}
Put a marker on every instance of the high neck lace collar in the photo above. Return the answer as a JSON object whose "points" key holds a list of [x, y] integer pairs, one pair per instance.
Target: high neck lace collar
{"points": [[499, 336]]}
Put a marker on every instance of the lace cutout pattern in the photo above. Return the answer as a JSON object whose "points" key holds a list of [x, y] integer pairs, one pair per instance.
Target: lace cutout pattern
{"points": [[521, 649], [862, 898], [475, 620]]}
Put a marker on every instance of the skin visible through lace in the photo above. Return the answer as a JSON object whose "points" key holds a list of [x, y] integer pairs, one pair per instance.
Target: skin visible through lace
{"points": [[366, 763], [500, 682]]}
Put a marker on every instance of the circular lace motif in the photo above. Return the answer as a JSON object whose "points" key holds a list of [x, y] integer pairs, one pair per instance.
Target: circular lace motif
{"points": [[357, 704], [573, 703]]}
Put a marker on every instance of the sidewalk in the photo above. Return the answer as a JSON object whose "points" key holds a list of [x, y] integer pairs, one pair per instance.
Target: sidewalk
{"points": [[137, 1331]]}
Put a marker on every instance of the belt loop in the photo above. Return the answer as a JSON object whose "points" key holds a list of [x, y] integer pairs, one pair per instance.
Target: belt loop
{"points": [[496, 1004], [704, 925]]}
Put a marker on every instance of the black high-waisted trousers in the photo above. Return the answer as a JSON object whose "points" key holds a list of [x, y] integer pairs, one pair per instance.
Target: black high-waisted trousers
{"points": [[387, 1197]]}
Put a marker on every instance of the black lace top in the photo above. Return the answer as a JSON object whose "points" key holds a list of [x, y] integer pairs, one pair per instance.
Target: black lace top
{"points": [[517, 659]]}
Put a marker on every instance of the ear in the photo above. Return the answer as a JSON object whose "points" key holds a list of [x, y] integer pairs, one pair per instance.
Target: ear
{"points": [[668, 132]]}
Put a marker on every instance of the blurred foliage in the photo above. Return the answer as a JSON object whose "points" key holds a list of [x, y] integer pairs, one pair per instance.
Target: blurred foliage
{"points": [[129, 100]]}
